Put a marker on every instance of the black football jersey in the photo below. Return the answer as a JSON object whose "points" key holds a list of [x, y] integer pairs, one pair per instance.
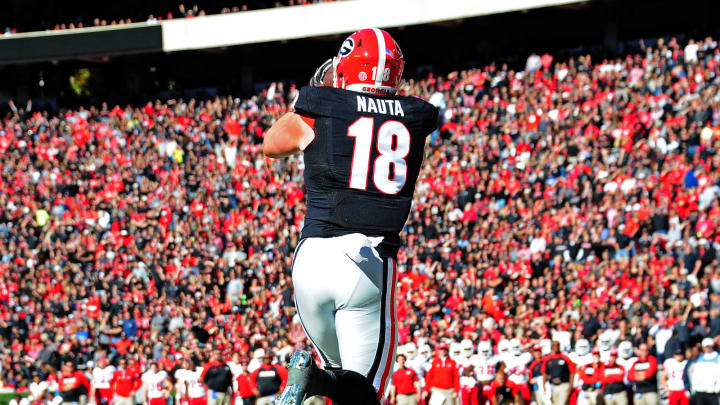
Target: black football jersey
{"points": [[361, 168]]}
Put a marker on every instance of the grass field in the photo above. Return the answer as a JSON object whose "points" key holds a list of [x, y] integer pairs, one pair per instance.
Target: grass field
{"points": [[5, 397]]}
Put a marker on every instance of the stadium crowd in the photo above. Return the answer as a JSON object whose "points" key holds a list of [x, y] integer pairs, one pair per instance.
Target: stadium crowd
{"points": [[568, 207], [182, 12]]}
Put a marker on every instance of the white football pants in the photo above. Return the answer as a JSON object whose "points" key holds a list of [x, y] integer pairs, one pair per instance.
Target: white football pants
{"points": [[345, 297]]}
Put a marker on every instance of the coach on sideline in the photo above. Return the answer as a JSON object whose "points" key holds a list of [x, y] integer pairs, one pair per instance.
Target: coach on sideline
{"points": [[559, 370], [218, 378], [443, 378], [705, 376], [405, 388]]}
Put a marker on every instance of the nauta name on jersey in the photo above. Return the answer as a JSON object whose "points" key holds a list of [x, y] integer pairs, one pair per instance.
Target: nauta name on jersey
{"points": [[379, 106]]}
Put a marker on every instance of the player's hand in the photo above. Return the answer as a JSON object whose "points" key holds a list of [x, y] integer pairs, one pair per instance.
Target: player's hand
{"points": [[454, 394], [323, 75]]}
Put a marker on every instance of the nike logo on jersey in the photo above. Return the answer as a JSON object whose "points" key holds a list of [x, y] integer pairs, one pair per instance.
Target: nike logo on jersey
{"points": [[371, 105]]}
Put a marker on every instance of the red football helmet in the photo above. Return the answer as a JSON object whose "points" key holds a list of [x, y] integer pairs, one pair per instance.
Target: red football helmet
{"points": [[369, 61]]}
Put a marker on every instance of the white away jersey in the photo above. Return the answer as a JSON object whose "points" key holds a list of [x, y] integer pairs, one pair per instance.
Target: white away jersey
{"points": [[517, 367], [420, 366], [192, 378], [627, 364], [101, 377], [154, 383], [580, 361], [484, 367], [675, 370]]}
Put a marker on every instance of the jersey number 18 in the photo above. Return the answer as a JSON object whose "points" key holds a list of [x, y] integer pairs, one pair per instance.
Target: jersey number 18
{"points": [[393, 145]]}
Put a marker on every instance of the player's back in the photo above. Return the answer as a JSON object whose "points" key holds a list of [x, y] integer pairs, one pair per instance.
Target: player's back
{"points": [[361, 168], [675, 371]]}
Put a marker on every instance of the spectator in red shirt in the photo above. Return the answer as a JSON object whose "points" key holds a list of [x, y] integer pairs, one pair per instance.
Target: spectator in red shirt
{"points": [[614, 392], [591, 376], [443, 378], [74, 385], [405, 388], [644, 374], [124, 384]]}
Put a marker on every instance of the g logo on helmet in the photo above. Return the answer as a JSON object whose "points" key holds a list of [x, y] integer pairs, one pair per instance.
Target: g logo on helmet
{"points": [[347, 47], [362, 76]]}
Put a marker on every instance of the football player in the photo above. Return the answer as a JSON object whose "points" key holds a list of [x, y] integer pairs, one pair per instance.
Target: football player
{"points": [[484, 364], [188, 385], [363, 146], [605, 344], [157, 386], [101, 392], [516, 368], [671, 379], [503, 350], [580, 357], [456, 352], [466, 352]]}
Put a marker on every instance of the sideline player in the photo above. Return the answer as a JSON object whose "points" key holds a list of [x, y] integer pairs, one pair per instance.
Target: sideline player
{"points": [[671, 378], [363, 147], [102, 375], [484, 364], [157, 386], [516, 367], [189, 386]]}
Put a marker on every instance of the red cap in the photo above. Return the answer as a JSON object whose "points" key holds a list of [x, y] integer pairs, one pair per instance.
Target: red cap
{"points": [[613, 352], [537, 347], [442, 346], [597, 351]]}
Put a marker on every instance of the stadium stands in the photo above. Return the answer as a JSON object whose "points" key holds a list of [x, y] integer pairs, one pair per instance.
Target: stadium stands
{"points": [[54, 22], [574, 199]]}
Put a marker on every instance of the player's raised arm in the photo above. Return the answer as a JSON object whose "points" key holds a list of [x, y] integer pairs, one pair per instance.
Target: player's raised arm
{"points": [[291, 134]]}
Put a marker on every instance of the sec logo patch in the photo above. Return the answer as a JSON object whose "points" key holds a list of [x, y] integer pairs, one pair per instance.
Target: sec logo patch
{"points": [[362, 76], [347, 47]]}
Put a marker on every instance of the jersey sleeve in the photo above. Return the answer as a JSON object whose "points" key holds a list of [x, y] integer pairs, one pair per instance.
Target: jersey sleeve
{"points": [[313, 102]]}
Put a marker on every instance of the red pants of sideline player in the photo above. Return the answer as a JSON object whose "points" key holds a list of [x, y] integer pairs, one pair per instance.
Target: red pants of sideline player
{"points": [[678, 398], [468, 395], [574, 396]]}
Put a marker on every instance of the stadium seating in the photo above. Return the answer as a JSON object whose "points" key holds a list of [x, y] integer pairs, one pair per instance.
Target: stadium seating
{"points": [[572, 199]]}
